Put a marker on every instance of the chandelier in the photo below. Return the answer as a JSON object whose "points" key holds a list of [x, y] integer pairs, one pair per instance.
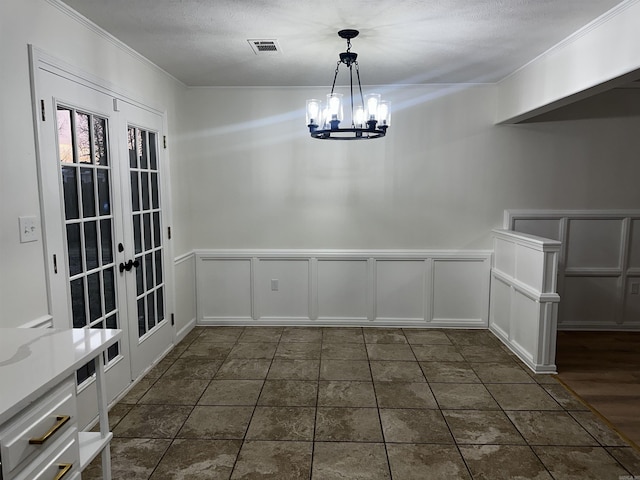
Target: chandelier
{"points": [[369, 119]]}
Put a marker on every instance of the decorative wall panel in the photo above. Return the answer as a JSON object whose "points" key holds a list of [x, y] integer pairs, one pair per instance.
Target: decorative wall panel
{"points": [[336, 287], [598, 265]]}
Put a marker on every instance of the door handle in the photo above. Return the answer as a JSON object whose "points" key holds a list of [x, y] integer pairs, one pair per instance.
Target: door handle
{"points": [[129, 265]]}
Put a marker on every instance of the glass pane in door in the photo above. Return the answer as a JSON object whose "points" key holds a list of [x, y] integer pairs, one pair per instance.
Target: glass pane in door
{"points": [[147, 228], [86, 178]]}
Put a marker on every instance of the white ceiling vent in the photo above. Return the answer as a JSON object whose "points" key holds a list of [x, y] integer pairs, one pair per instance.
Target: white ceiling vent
{"points": [[264, 46]]}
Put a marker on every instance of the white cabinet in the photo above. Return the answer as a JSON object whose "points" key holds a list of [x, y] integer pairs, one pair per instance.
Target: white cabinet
{"points": [[39, 438]]}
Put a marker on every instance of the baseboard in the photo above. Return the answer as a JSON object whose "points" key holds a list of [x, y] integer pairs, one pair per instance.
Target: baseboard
{"points": [[180, 334]]}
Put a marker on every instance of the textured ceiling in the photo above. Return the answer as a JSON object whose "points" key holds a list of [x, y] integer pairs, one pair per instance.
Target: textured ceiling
{"points": [[204, 42]]}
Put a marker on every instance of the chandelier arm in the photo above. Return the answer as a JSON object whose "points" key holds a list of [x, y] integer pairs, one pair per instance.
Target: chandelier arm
{"points": [[359, 85], [351, 82], [335, 76]]}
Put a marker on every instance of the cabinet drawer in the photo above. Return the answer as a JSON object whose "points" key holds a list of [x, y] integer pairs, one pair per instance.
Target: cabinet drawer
{"points": [[38, 426], [63, 463]]}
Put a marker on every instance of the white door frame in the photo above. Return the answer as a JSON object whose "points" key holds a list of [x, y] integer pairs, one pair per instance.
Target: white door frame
{"points": [[41, 61]]}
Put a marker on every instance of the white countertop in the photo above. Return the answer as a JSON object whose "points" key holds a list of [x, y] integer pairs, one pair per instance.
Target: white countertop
{"points": [[33, 360]]}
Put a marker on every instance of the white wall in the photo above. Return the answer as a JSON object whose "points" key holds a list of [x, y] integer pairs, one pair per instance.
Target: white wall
{"points": [[439, 180], [601, 55], [246, 175], [23, 293]]}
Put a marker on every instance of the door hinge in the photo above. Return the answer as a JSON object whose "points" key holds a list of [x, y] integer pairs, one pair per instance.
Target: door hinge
{"points": [[42, 110], [169, 232], [55, 263], [173, 319], [164, 141]]}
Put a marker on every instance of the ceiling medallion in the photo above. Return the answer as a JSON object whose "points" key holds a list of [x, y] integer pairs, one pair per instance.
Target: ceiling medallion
{"points": [[370, 119]]}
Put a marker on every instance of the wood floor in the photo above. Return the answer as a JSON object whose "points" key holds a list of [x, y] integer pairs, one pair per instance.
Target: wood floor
{"points": [[604, 369]]}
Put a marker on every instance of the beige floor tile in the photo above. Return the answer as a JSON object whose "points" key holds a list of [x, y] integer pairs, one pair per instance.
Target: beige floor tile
{"points": [[216, 422], [550, 428], [152, 421], [628, 457], [426, 337], [384, 351], [580, 463], [337, 393], [598, 429], [289, 393], [272, 460], [503, 462], [437, 353], [261, 334], [384, 335], [193, 368], [232, 392], [348, 425], [404, 395], [243, 369], [449, 372], [174, 392], [465, 396], [388, 371], [285, 369], [282, 423], [426, 462], [518, 396], [414, 426], [298, 351], [482, 427], [342, 335], [188, 459], [344, 351], [353, 461], [345, 370], [253, 350], [131, 458], [491, 372], [301, 334]]}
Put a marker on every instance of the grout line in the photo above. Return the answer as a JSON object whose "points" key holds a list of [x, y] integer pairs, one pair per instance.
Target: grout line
{"points": [[375, 394], [264, 381]]}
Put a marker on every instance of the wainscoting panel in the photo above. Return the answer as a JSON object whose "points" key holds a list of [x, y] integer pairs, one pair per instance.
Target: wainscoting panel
{"points": [[590, 298], [343, 290], [523, 309], [634, 246], [185, 294], [459, 292], [594, 243], [224, 288], [400, 290], [282, 289], [343, 287], [599, 264]]}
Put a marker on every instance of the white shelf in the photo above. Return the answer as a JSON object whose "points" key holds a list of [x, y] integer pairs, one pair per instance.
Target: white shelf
{"points": [[91, 444]]}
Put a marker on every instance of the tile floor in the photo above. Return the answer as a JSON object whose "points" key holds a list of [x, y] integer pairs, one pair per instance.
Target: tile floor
{"points": [[352, 403]]}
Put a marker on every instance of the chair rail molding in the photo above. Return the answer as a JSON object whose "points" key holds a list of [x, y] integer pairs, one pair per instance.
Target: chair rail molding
{"points": [[402, 288]]}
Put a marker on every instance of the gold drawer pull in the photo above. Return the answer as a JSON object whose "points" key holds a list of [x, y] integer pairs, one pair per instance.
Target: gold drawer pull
{"points": [[64, 468], [60, 421]]}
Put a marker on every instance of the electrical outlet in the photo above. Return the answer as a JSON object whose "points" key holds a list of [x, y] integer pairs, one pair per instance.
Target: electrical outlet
{"points": [[275, 285], [28, 229], [635, 288]]}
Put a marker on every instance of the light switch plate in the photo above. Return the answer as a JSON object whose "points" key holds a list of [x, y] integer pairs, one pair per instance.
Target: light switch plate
{"points": [[28, 229]]}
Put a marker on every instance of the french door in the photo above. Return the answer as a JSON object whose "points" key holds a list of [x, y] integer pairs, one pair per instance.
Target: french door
{"points": [[101, 181]]}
